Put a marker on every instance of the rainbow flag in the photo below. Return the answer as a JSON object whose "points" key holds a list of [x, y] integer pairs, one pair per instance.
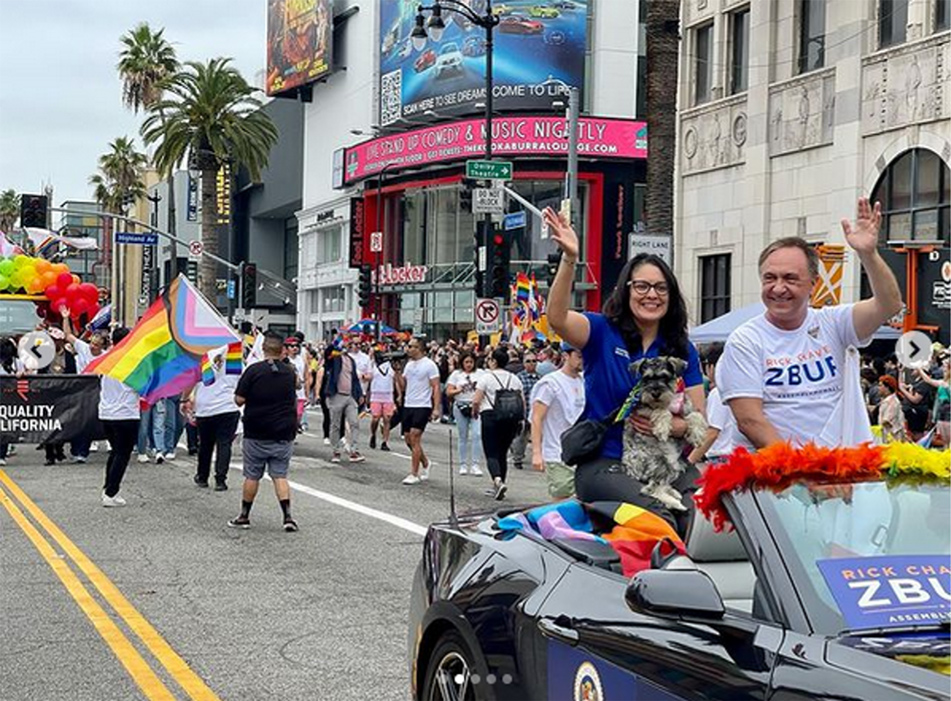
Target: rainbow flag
{"points": [[162, 355], [207, 370], [234, 359], [523, 288]]}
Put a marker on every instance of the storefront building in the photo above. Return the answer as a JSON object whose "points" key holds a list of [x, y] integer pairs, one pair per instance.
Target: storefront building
{"points": [[816, 104], [385, 145]]}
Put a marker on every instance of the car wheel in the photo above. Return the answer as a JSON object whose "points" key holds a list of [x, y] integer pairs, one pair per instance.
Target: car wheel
{"points": [[450, 670]]}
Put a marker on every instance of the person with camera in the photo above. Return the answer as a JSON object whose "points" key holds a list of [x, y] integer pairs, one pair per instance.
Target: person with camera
{"points": [[461, 389]]}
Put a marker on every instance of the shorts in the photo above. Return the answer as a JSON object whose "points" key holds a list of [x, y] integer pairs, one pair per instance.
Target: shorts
{"points": [[301, 404], [378, 409], [258, 454], [417, 418]]}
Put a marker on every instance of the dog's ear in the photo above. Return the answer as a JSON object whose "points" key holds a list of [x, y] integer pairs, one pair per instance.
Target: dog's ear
{"points": [[677, 364], [636, 366]]}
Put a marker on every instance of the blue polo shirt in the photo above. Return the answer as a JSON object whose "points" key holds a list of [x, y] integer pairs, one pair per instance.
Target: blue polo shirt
{"points": [[608, 381]]}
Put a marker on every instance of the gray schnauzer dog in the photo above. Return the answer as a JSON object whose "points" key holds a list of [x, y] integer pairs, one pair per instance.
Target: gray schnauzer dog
{"points": [[655, 460]]}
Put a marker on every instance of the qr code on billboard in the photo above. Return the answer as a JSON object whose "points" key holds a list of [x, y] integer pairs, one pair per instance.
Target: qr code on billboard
{"points": [[391, 97]]}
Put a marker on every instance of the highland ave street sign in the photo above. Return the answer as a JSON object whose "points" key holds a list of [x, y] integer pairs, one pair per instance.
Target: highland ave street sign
{"points": [[489, 170]]}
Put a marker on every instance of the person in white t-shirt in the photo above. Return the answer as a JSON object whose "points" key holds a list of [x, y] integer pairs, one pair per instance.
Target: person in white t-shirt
{"points": [[119, 413], [461, 389], [383, 401], [557, 402], [497, 432], [422, 398], [217, 417], [783, 373], [296, 359], [364, 366], [80, 447]]}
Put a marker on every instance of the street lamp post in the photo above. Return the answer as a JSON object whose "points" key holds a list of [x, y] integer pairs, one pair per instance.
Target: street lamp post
{"points": [[434, 28]]}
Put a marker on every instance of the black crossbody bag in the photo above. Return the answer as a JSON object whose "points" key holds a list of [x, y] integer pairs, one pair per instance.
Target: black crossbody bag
{"points": [[582, 442]]}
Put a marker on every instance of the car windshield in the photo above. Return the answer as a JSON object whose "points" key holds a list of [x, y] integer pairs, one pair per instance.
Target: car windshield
{"points": [[866, 555]]}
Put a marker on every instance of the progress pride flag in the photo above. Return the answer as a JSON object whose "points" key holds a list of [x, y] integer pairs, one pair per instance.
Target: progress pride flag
{"points": [[511, 136]]}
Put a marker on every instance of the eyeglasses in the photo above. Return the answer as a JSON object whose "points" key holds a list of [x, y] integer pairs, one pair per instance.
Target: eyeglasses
{"points": [[291, 345], [643, 288]]}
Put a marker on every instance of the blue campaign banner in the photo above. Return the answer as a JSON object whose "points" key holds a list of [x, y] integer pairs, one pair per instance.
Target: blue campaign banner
{"points": [[890, 591], [140, 239]]}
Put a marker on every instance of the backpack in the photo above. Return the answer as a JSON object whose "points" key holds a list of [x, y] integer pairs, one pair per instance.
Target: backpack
{"points": [[509, 404]]}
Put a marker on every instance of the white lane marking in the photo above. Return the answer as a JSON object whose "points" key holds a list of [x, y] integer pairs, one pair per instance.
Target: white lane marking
{"points": [[353, 506]]}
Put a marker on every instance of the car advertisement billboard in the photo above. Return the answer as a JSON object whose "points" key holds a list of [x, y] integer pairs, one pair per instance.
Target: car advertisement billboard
{"points": [[539, 50], [299, 43]]}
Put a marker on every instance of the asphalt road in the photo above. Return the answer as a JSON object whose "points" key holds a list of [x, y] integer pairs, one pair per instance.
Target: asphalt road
{"points": [[161, 599]]}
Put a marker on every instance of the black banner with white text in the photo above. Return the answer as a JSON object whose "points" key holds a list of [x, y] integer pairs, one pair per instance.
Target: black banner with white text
{"points": [[49, 408]]}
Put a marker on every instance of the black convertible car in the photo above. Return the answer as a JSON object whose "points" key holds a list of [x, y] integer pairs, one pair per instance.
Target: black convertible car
{"points": [[818, 593]]}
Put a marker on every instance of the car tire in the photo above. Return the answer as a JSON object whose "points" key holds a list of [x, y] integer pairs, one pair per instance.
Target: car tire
{"points": [[452, 660]]}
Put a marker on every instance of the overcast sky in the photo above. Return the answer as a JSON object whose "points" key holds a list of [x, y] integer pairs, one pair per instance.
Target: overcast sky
{"points": [[60, 97]]}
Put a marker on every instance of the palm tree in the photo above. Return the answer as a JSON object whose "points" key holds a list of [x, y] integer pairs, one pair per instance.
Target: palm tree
{"points": [[119, 181], [145, 63], [9, 210], [212, 118], [663, 45]]}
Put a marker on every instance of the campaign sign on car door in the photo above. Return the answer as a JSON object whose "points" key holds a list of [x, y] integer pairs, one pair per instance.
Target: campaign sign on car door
{"points": [[897, 590]]}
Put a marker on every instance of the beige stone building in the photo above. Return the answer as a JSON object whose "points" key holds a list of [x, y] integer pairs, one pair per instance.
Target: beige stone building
{"points": [[792, 109]]}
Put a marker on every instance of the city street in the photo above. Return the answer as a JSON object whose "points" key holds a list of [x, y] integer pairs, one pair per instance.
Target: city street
{"points": [[185, 604]]}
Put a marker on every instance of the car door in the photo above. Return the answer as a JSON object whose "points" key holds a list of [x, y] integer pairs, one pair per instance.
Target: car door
{"points": [[599, 648]]}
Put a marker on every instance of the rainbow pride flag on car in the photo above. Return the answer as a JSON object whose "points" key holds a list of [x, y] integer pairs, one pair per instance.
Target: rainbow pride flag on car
{"points": [[162, 356]]}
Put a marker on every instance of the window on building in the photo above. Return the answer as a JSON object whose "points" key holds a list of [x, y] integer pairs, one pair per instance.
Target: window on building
{"points": [[942, 15], [892, 22], [714, 286], [291, 248], [703, 63], [739, 51], [812, 35], [329, 247], [333, 299], [914, 192]]}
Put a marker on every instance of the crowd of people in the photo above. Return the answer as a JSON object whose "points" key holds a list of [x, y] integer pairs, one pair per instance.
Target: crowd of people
{"points": [[787, 375]]}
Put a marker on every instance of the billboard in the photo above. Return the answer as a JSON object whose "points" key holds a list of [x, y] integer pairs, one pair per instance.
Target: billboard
{"points": [[511, 136], [539, 51], [299, 43]]}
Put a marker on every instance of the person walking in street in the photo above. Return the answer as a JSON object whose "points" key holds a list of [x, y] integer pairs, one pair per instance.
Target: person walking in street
{"points": [[500, 405], [268, 392], [461, 389], [557, 403], [383, 402], [119, 414], [344, 397], [296, 361], [419, 386], [217, 417], [80, 447], [528, 377]]}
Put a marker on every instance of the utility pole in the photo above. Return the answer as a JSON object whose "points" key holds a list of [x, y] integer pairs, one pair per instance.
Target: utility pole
{"points": [[574, 110]]}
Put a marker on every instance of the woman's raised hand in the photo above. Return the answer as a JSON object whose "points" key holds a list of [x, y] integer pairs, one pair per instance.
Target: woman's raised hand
{"points": [[562, 233]]}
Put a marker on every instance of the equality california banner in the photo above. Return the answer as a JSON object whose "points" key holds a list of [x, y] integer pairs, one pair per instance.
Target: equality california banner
{"points": [[46, 408]]}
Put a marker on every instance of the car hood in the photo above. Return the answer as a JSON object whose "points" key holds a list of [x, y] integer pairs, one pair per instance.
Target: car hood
{"points": [[929, 651]]}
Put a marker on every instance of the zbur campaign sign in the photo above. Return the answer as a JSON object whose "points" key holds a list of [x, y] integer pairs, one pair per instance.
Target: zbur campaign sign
{"points": [[539, 51], [47, 408]]}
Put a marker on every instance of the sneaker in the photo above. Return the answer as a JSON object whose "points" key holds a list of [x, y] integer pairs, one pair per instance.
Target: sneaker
{"points": [[221, 486], [384, 447], [475, 470], [78, 459], [411, 479], [170, 455], [500, 490], [200, 482], [519, 466], [290, 525], [423, 474], [240, 522], [372, 442], [159, 458], [143, 457], [3, 462], [109, 502], [326, 441], [94, 447], [336, 457], [463, 469], [490, 492], [356, 457]]}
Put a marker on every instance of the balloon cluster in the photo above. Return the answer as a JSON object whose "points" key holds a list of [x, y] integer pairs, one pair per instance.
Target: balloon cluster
{"points": [[63, 290]]}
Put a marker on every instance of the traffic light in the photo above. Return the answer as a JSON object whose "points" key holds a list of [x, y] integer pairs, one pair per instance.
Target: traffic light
{"points": [[554, 260], [366, 285], [33, 210], [249, 285], [499, 257]]}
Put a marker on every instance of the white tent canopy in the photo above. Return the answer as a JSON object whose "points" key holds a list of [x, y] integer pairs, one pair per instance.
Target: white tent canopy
{"points": [[718, 329]]}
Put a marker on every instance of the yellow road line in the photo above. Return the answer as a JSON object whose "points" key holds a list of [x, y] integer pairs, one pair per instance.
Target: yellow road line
{"points": [[124, 651], [193, 685]]}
